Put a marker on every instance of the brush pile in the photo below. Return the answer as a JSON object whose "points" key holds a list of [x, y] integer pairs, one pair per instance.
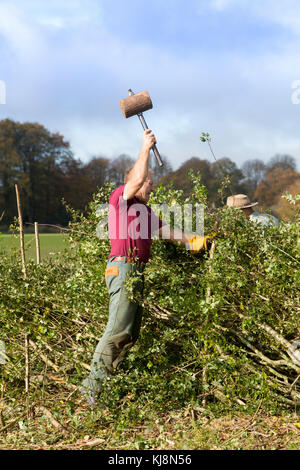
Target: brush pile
{"points": [[219, 328]]}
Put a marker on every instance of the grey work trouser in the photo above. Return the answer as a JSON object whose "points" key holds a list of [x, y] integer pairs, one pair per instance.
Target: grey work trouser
{"points": [[123, 326]]}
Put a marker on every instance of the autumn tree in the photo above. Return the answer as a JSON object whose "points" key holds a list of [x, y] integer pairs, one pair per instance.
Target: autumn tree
{"points": [[29, 154], [221, 169], [10, 168], [160, 172], [181, 179], [253, 171], [44, 167], [281, 161], [212, 174], [273, 185], [117, 168], [285, 209], [97, 171]]}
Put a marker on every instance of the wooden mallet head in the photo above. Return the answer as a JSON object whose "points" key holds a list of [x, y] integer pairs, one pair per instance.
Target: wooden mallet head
{"points": [[136, 104]]}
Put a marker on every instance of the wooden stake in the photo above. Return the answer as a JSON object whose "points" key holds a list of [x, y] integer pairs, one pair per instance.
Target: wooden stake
{"points": [[21, 232], [37, 242]]}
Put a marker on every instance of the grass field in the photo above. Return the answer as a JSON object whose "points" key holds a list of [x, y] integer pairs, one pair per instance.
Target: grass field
{"points": [[50, 244]]}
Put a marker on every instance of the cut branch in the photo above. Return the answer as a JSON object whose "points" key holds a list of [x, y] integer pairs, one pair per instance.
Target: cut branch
{"points": [[51, 418], [294, 354], [43, 357], [21, 231]]}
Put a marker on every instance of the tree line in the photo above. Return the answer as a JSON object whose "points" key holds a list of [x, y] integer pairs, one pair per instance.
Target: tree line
{"points": [[262, 182], [47, 172]]}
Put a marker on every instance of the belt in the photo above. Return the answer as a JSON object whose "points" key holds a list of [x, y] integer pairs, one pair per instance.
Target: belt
{"points": [[124, 258], [118, 258]]}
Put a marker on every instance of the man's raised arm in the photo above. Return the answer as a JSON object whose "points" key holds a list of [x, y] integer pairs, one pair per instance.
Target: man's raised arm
{"points": [[139, 171]]}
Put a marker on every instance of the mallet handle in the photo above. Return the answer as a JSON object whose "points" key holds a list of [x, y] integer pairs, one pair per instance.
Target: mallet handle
{"points": [[144, 125], [154, 148]]}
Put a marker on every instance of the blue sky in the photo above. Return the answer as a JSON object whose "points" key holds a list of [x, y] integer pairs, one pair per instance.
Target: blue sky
{"points": [[220, 66]]}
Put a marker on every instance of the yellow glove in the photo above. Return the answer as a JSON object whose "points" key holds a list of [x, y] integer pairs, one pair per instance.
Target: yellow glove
{"points": [[197, 243]]}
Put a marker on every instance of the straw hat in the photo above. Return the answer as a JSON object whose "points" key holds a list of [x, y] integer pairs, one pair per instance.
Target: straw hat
{"points": [[240, 201]]}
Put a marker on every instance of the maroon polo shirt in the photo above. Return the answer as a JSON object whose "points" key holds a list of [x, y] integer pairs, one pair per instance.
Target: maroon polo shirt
{"points": [[131, 224]]}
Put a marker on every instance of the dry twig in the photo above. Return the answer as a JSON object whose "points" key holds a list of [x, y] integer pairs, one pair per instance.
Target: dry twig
{"points": [[51, 418]]}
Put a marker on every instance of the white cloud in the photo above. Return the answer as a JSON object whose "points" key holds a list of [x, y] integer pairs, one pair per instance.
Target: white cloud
{"points": [[21, 36], [221, 5], [68, 71], [56, 22], [283, 13]]}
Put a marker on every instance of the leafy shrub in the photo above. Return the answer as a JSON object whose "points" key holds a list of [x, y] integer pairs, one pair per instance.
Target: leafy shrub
{"points": [[218, 327]]}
